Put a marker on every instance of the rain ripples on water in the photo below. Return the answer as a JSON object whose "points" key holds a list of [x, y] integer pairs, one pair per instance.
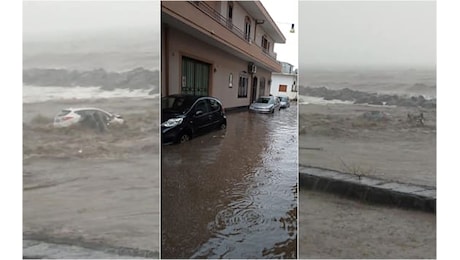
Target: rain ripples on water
{"points": [[233, 193]]}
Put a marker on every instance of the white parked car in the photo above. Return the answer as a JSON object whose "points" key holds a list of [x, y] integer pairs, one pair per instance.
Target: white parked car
{"points": [[284, 101], [72, 116], [265, 104]]}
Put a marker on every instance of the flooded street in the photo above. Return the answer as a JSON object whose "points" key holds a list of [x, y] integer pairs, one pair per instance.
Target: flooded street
{"points": [[86, 193], [233, 193], [332, 227]]}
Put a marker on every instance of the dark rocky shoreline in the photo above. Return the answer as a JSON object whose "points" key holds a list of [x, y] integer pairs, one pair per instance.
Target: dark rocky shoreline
{"points": [[360, 97], [138, 78]]}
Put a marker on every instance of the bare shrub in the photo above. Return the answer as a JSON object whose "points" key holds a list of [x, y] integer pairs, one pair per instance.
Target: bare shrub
{"points": [[357, 170]]}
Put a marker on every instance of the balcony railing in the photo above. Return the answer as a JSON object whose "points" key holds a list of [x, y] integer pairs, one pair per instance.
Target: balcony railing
{"points": [[218, 17]]}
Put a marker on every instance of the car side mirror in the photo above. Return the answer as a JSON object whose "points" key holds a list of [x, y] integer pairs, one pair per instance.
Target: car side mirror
{"points": [[198, 112]]}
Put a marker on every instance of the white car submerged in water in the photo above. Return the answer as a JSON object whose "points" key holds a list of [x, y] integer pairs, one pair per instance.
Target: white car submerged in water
{"points": [[73, 116]]}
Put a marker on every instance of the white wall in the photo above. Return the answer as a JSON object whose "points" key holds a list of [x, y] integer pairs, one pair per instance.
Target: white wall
{"points": [[283, 79]]}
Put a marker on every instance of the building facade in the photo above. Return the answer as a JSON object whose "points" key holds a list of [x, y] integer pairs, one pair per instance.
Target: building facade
{"points": [[218, 48], [284, 83]]}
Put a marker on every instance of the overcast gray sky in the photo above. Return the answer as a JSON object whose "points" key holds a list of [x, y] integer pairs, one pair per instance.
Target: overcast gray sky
{"points": [[284, 13], [45, 18], [367, 33]]}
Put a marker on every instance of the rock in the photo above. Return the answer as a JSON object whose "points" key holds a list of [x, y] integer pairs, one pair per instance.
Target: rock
{"points": [[360, 97], [138, 78]]}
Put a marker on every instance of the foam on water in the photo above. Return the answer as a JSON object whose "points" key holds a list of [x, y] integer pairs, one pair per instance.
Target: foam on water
{"points": [[401, 82], [321, 101], [32, 94]]}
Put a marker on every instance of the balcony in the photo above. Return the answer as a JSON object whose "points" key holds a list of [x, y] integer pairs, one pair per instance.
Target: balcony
{"points": [[200, 16], [218, 17]]}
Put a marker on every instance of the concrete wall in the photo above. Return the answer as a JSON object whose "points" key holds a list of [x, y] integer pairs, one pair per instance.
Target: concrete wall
{"points": [[283, 79]]}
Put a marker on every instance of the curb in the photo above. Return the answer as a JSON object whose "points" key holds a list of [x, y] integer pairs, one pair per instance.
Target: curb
{"points": [[369, 189], [96, 246]]}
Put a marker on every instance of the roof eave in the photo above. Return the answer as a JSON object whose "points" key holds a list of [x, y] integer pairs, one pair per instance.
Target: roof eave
{"points": [[260, 13]]}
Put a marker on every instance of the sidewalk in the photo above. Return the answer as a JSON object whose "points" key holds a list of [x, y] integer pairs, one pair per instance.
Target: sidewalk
{"points": [[369, 189], [33, 249]]}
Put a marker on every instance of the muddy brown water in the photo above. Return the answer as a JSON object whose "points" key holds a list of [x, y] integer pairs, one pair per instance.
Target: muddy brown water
{"points": [[233, 193], [91, 190]]}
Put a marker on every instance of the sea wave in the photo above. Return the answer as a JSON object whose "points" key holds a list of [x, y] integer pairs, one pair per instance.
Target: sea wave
{"points": [[320, 101], [33, 94]]}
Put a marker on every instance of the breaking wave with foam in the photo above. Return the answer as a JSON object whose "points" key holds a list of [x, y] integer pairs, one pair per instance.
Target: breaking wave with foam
{"points": [[34, 94]]}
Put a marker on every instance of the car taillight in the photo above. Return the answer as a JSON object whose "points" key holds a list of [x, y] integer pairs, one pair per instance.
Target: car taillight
{"points": [[66, 118]]}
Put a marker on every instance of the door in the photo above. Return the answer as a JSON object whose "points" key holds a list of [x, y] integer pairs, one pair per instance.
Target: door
{"points": [[195, 77], [215, 111], [262, 87], [202, 117], [254, 89]]}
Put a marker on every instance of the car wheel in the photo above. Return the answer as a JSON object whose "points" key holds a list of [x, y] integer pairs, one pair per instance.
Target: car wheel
{"points": [[184, 138], [223, 126]]}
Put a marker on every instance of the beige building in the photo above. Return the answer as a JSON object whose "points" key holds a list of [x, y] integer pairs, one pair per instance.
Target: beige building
{"points": [[218, 48]]}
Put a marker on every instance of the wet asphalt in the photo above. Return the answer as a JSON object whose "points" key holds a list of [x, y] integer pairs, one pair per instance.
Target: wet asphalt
{"points": [[233, 193]]}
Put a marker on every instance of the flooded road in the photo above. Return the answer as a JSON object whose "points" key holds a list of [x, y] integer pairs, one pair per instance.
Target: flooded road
{"points": [[332, 227], [85, 192], [233, 193]]}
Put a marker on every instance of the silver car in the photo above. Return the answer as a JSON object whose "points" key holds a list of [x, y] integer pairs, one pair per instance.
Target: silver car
{"points": [[284, 101], [265, 104]]}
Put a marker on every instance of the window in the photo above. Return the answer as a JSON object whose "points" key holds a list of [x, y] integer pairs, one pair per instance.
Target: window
{"points": [[230, 10], [247, 28], [243, 85], [230, 14], [202, 106], [265, 44], [282, 88], [195, 77], [215, 106]]}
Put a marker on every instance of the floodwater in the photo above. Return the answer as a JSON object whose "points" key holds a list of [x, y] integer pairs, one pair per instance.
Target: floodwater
{"points": [[91, 190], [233, 193]]}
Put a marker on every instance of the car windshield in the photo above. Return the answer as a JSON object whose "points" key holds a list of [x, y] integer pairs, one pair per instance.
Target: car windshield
{"points": [[284, 98], [176, 103], [263, 100]]}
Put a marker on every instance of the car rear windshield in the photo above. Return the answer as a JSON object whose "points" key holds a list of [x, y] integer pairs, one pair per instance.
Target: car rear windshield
{"points": [[263, 100], [64, 112]]}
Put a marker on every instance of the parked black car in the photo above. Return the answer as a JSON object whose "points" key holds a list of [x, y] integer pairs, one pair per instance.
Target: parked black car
{"points": [[185, 116]]}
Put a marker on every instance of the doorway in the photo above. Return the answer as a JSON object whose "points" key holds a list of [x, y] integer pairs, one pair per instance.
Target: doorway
{"points": [[254, 89]]}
